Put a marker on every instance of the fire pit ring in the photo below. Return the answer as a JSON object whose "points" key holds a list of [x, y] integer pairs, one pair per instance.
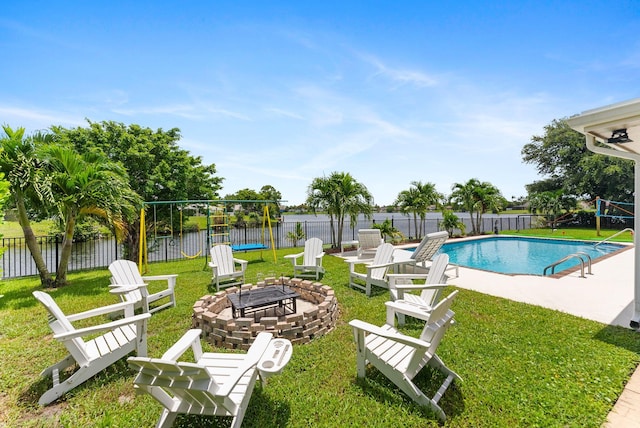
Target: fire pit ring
{"points": [[316, 315]]}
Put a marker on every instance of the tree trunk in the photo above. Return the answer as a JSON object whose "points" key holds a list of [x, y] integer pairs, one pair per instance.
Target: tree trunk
{"points": [[30, 239], [333, 231], [65, 254], [340, 228], [132, 242]]}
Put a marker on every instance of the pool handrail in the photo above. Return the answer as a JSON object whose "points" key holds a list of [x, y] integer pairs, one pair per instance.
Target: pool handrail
{"points": [[577, 255], [627, 229]]}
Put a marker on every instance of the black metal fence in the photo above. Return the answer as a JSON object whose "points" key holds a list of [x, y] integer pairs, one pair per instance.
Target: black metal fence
{"points": [[100, 252]]}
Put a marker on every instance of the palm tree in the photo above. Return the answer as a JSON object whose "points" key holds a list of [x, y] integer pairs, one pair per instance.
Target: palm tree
{"points": [[417, 200], [450, 222], [87, 184], [407, 202], [340, 195], [477, 198], [389, 232], [21, 168], [427, 196]]}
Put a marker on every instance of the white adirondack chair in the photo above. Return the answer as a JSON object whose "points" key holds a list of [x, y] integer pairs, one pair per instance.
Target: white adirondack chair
{"points": [[311, 259], [368, 241], [400, 358], [431, 286], [119, 338], [376, 269], [223, 265], [125, 273], [217, 384]]}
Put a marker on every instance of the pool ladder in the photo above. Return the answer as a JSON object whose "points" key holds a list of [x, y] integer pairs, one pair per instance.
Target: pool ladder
{"points": [[580, 256]]}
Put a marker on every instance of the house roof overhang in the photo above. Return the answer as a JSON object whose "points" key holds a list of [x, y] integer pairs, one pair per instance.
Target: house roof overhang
{"points": [[601, 123]]}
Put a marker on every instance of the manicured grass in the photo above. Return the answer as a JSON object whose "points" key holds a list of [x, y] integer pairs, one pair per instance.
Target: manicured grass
{"points": [[521, 365], [571, 233], [12, 229]]}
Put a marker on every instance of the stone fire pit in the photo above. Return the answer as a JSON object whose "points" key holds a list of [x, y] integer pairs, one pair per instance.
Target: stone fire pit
{"points": [[316, 315]]}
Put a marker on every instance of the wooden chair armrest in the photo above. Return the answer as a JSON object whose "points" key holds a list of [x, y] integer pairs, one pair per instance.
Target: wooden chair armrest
{"points": [[407, 308], [293, 256], [171, 278], [365, 327], [420, 286], [125, 288], [240, 262], [81, 332], [370, 266], [191, 339], [104, 310]]}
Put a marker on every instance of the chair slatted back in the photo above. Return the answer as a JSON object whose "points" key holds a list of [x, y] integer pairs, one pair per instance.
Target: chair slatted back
{"points": [[384, 255], [125, 272], [312, 248], [439, 321], [368, 239], [222, 257], [429, 246], [436, 276], [59, 323]]}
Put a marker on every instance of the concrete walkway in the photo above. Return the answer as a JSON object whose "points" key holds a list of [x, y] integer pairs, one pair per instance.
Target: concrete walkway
{"points": [[606, 296]]}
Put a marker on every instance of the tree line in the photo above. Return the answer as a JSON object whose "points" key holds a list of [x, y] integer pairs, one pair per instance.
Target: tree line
{"points": [[107, 170]]}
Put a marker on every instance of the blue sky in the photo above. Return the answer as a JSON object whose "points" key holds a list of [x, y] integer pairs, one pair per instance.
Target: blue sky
{"points": [[279, 93]]}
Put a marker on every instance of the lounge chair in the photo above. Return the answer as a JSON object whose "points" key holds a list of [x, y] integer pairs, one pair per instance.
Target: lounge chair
{"points": [[368, 241], [311, 259], [376, 269], [428, 248], [96, 353], [400, 358], [217, 384], [125, 273], [223, 266]]}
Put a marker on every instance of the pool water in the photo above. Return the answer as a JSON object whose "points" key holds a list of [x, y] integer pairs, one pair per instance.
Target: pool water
{"points": [[515, 255]]}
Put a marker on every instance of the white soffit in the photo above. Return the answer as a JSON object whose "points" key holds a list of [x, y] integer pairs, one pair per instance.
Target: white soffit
{"points": [[601, 123]]}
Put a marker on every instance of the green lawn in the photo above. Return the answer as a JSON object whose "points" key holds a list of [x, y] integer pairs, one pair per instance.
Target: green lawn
{"points": [[571, 233], [521, 365]]}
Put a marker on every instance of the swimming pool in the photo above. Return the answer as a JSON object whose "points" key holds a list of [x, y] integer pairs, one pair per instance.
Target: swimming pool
{"points": [[517, 255]]}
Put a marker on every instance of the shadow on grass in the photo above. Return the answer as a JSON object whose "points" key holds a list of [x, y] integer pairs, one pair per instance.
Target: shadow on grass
{"points": [[262, 412], [621, 337], [116, 371], [428, 380]]}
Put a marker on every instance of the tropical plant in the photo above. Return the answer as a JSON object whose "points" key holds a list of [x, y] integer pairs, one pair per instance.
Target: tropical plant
{"points": [[29, 186], [296, 235], [87, 185], [477, 198], [417, 200], [389, 232], [339, 195], [450, 222]]}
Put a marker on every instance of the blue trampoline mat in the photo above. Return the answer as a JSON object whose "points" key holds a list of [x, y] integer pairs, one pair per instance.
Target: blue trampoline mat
{"points": [[248, 247]]}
